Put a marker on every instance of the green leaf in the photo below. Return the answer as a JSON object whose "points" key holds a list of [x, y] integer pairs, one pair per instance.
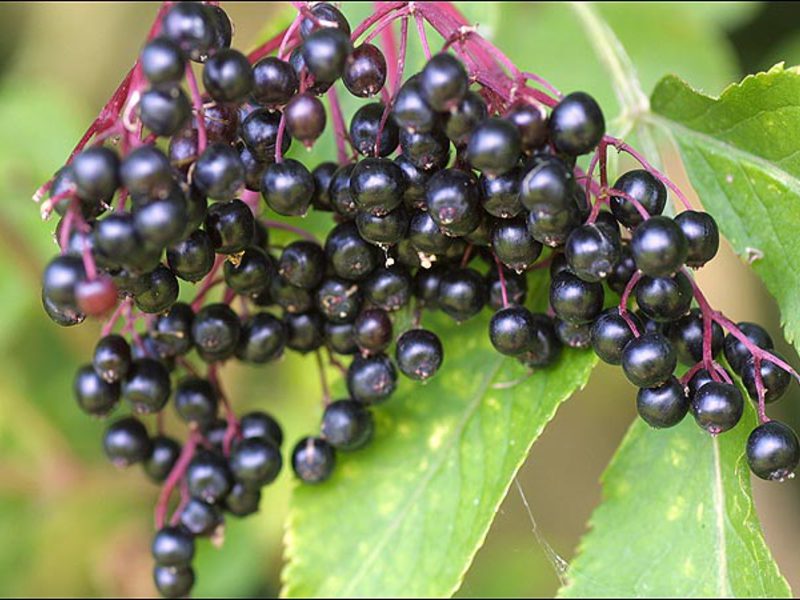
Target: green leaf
{"points": [[406, 516], [677, 520], [742, 154]]}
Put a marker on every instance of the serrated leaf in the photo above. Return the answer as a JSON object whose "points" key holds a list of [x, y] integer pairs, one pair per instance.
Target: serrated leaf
{"points": [[742, 154], [677, 520], [405, 516]]}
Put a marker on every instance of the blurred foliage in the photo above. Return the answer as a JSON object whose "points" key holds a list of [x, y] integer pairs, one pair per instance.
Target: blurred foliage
{"points": [[77, 526]]}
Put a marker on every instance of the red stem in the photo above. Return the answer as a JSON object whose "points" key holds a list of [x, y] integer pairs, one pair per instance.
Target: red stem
{"points": [[502, 277], [174, 477], [623, 302], [339, 128], [197, 101]]}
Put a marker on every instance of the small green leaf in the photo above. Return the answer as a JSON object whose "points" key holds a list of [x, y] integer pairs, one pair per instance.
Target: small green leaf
{"points": [[742, 154], [677, 520], [406, 516]]}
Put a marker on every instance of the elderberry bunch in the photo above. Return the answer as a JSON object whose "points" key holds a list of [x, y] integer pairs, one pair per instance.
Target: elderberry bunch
{"points": [[454, 192]]}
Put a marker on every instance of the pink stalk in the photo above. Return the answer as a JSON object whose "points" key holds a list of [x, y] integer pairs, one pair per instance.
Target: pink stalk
{"points": [[501, 276], [423, 36], [339, 128], [279, 138], [174, 477], [232, 430], [288, 34], [197, 101], [543, 82], [384, 9], [397, 74], [269, 46], [290, 228], [623, 302], [323, 379], [115, 316]]}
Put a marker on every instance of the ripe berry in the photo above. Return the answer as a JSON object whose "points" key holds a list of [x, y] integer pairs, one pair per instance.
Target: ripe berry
{"points": [[663, 406], [735, 352], [348, 254], [500, 194], [162, 61], [549, 182], [347, 425], [147, 386], [649, 360], [287, 187], [443, 82], [161, 222], [60, 279], [388, 288], [462, 293], [196, 401], [516, 287], [172, 547], [383, 230], [208, 477], [622, 271], [304, 331], [259, 132], [259, 424], [298, 63], [164, 110], [592, 251], [112, 358], [773, 451], [193, 258], [371, 380], [242, 500], [643, 187], [576, 124], [664, 299], [325, 53], [160, 291], [419, 354], [453, 199], [227, 76], [774, 378], [514, 246], [686, 334], [162, 458], [574, 335], [494, 147], [95, 395], [146, 173], [427, 151], [221, 26], [531, 122], [190, 25], [364, 127], [255, 462], [96, 174], [511, 330], [717, 407], [274, 82], [116, 239], [698, 380], [551, 224], [339, 338], [462, 120], [262, 339], [377, 185], [215, 332], [338, 300], [219, 172], [230, 226], [305, 117], [341, 197], [126, 442], [302, 264], [372, 330], [325, 15], [365, 71], [611, 333], [288, 297], [171, 331], [702, 233], [173, 582], [323, 175], [410, 110], [659, 247], [575, 300], [545, 346], [313, 460], [425, 235], [200, 518]]}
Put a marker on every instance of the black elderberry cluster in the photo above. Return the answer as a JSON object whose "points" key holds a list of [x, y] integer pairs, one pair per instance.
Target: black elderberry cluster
{"points": [[449, 200]]}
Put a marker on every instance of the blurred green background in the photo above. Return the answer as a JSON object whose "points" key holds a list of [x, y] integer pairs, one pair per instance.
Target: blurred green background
{"points": [[72, 525]]}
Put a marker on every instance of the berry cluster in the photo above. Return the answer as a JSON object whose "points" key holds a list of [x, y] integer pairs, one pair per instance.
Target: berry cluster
{"points": [[460, 181]]}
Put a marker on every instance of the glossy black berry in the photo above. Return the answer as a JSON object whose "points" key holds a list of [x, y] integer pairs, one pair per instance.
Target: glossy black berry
{"points": [[548, 182], [574, 335], [419, 354], [289, 298], [219, 172], [622, 271], [228, 76], [576, 124], [427, 151], [302, 264], [200, 518], [698, 380], [262, 339], [611, 333], [60, 279], [663, 406], [643, 187], [545, 346], [383, 230], [160, 291], [196, 401], [215, 332], [514, 246], [313, 460], [191, 26], [96, 173], [365, 71], [372, 330], [461, 121], [664, 299], [112, 358], [494, 147], [592, 251], [511, 330], [388, 288], [193, 258], [338, 300], [462, 293], [305, 331], [242, 500], [350, 256], [516, 287], [410, 110], [702, 233], [649, 360], [659, 247], [172, 547], [249, 272], [162, 458], [500, 195], [347, 425], [161, 222], [171, 331], [426, 236], [717, 407], [773, 377], [773, 451], [147, 386], [735, 352], [221, 27], [371, 380], [162, 61], [364, 128], [259, 131], [324, 15], [259, 424], [274, 82], [147, 173], [531, 122], [339, 338], [126, 442], [208, 477], [341, 197], [255, 461], [325, 53], [453, 199], [323, 175], [443, 82], [686, 334], [575, 300], [305, 117], [230, 226], [173, 582], [164, 110], [95, 395], [377, 185]]}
